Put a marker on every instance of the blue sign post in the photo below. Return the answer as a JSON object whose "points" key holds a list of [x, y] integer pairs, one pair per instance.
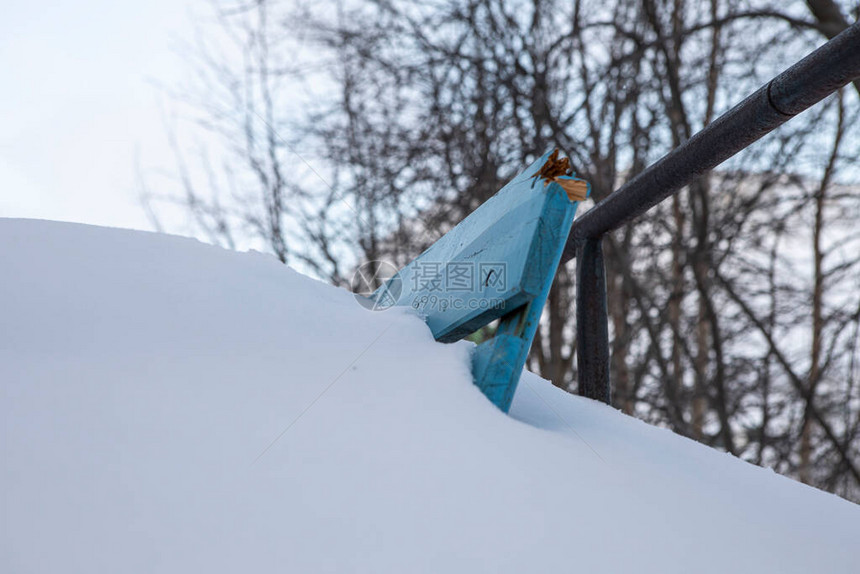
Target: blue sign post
{"points": [[498, 263]]}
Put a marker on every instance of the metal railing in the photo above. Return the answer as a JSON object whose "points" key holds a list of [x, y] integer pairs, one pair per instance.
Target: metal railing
{"points": [[801, 86]]}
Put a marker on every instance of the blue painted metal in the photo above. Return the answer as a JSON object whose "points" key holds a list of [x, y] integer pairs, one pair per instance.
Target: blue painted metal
{"points": [[498, 263]]}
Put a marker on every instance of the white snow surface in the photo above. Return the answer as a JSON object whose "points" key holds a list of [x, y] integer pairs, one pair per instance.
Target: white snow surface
{"points": [[169, 406]]}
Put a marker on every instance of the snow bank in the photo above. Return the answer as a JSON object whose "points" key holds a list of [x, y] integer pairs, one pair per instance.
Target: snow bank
{"points": [[168, 406]]}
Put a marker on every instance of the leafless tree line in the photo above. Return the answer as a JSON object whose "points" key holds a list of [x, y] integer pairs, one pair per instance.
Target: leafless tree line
{"points": [[734, 306]]}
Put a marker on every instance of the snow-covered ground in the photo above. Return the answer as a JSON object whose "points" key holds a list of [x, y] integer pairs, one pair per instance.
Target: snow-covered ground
{"points": [[168, 406]]}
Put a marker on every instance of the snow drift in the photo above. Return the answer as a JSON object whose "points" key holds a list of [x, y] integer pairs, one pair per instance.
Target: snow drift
{"points": [[168, 406]]}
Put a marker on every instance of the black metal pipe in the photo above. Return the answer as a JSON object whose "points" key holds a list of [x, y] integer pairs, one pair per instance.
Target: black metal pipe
{"points": [[592, 330], [807, 82]]}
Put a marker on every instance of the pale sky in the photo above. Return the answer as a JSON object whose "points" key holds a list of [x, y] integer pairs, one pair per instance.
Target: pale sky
{"points": [[77, 102]]}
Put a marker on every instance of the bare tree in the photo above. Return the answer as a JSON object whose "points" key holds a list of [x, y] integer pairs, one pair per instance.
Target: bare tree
{"points": [[732, 312]]}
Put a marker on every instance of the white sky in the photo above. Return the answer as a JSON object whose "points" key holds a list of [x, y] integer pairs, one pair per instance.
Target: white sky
{"points": [[77, 102]]}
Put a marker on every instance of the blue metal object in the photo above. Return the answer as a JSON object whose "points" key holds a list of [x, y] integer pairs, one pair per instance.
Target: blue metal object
{"points": [[498, 263]]}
